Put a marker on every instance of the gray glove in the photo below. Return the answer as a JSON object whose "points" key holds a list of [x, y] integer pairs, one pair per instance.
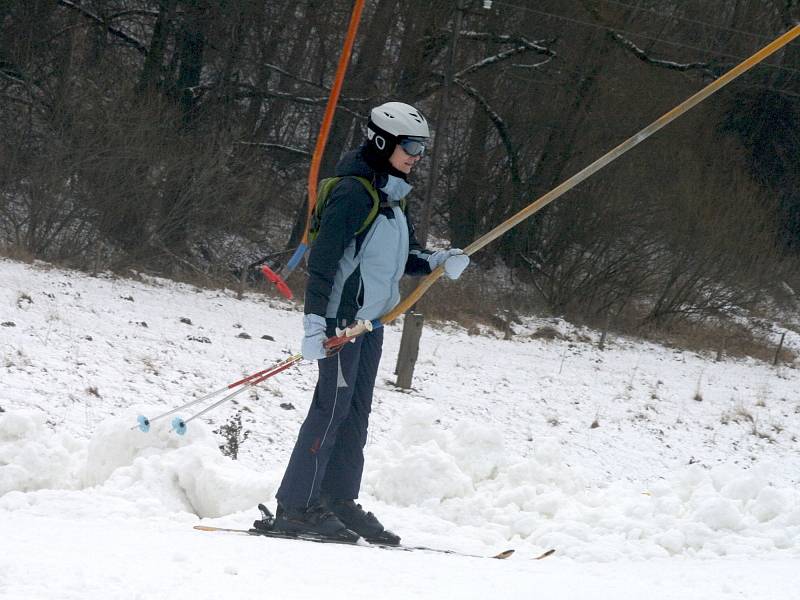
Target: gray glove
{"points": [[454, 261], [313, 337]]}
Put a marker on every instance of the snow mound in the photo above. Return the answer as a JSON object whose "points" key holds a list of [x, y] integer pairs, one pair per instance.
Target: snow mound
{"points": [[464, 478], [423, 462], [116, 444], [32, 457], [139, 474]]}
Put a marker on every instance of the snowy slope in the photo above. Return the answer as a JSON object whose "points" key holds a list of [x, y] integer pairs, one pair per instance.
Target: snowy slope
{"points": [[652, 471]]}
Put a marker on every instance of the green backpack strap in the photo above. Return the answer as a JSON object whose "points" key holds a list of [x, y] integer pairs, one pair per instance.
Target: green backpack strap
{"points": [[376, 203], [323, 193]]}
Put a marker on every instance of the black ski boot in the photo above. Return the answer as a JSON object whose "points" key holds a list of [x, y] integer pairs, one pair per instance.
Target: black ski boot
{"points": [[312, 522], [362, 522]]}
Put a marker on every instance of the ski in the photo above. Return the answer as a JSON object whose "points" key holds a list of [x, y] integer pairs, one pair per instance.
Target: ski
{"points": [[360, 542]]}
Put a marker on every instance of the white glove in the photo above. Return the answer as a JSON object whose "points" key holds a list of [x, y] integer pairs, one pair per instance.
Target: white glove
{"points": [[454, 261], [454, 266], [313, 337]]}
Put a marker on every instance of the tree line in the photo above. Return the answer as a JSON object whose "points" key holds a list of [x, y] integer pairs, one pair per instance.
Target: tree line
{"points": [[177, 134]]}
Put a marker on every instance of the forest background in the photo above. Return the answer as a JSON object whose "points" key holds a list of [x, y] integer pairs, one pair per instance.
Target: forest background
{"points": [[175, 136]]}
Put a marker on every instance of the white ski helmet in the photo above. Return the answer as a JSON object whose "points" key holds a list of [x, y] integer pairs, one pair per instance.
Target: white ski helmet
{"points": [[393, 121]]}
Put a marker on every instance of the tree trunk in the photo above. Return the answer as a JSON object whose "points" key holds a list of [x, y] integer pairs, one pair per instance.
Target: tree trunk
{"points": [[191, 46], [150, 77]]}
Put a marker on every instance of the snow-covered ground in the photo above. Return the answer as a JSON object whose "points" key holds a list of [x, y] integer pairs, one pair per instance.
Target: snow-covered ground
{"points": [[653, 472]]}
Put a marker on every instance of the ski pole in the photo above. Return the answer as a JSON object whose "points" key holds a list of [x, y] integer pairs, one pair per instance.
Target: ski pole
{"points": [[179, 424], [144, 422], [570, 183], [334, 344]]}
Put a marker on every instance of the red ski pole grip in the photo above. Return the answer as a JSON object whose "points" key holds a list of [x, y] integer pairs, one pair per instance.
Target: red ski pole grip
{"points": [[273, 277], [348, 335]]}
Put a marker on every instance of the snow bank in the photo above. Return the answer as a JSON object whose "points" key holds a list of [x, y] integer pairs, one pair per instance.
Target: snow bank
{"points": [[464, 476], [32, 457], [157, 472]]}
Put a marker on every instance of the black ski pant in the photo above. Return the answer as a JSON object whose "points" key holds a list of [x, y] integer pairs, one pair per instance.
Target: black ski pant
{"points": [[328, 457]]}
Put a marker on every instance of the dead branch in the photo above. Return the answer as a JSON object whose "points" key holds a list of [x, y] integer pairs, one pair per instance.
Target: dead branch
{"points": [[493, 60], [133, 13], [125, 37], [666, 64], [14, 76], [499, 124], [250, 91], [534, 65], [297, 78], [539, 46], [524, 46], [281, 147]]}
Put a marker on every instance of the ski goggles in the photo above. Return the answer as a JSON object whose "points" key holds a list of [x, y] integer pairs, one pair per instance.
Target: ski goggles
{"points": [[413, 146]]}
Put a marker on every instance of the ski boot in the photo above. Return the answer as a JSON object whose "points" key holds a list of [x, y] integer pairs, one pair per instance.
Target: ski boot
{"points": [[314, 522], [362, 522]]}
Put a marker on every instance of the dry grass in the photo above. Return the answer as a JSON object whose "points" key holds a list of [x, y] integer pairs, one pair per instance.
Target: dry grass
{"points": [[17, 253], [475, 303], [725, 339], [478, 306]]}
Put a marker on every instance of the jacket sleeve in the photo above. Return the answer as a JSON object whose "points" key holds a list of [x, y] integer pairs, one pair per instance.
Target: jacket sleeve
{"points": [[347, 208], [417, 263]]}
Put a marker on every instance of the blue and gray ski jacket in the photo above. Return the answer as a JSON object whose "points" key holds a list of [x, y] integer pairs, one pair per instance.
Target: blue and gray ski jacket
{"points": [[358, 276]]}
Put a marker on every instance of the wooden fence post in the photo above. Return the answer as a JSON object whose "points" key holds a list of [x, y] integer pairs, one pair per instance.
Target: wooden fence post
{"points": [[778, 351], [606, 326], [409, 349]]}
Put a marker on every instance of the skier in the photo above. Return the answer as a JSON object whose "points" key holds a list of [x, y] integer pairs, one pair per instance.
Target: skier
{"points": [[354, 274]]}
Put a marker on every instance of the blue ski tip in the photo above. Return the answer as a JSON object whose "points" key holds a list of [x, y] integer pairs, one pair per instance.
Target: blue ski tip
{"points": [[144, 423], [179, 425]]}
